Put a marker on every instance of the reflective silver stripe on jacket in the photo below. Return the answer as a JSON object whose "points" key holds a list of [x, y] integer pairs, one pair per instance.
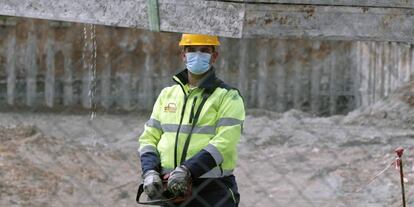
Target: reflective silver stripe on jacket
{"points": [[187, 128], [228, 122], [154, 124], [214, 153], [213, 173], [216, 173], [148, 148]]}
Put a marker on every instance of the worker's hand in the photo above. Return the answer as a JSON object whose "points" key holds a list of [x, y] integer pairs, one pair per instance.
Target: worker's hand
{"points": [[179, 180], [152, 184]]}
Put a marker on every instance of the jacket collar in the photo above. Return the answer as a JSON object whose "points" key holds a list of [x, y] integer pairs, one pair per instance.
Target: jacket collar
{"points": [[207, 82]]}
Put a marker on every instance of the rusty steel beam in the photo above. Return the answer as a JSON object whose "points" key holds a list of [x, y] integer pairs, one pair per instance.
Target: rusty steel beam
{"points": [[378, 20]]}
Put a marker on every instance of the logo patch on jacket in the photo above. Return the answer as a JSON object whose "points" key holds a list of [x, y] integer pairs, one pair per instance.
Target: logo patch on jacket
{"points": [[171, 108]]}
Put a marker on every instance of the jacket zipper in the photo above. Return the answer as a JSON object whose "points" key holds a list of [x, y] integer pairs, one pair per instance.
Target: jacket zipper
{"points": [[192, 110], [179, 125]]}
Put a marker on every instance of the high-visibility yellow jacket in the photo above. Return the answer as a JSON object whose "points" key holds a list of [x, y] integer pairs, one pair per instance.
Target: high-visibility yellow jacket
{"points": [[212, 148]]}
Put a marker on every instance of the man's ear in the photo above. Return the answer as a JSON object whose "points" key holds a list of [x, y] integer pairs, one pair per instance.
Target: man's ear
{"points": [[214, 57], [182, 55]]}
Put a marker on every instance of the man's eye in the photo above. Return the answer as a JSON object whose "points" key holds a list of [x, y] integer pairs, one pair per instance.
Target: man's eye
{"points": [[206, 50], [190, 49]]}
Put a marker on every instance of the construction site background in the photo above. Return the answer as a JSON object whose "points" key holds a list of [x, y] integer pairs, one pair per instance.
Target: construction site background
{"points": [[53, 153], [291, 158], [49, 64]]}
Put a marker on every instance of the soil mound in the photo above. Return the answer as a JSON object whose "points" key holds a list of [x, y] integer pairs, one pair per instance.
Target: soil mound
{"points": [[395, 111]]}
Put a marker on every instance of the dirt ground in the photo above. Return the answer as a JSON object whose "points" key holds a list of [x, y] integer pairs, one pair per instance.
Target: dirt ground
{"points": [[286, 159]]}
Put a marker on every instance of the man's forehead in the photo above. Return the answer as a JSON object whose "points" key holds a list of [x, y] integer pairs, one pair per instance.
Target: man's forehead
{"points": [[199, 46]]}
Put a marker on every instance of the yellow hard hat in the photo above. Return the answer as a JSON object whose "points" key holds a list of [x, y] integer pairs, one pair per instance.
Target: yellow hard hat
{"points": [[198, 39]]}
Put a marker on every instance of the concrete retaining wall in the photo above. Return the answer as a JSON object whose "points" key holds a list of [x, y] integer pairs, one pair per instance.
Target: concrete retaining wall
{"points": [[51, 64]]}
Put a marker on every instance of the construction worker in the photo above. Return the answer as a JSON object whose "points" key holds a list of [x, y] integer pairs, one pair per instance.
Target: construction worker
{"points": [[193, 132]]}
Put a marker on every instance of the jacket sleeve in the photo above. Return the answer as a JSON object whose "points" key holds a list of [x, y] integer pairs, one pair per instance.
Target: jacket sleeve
{"points": [[149, 139], [223, 145]]}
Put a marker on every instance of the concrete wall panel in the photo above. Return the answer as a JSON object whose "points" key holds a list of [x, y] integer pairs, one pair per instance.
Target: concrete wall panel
{"points": [[379, 20], [54, 64]]}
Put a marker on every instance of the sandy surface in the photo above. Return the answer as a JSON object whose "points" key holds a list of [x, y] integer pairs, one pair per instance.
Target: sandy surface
{"points": [[286, 159]]}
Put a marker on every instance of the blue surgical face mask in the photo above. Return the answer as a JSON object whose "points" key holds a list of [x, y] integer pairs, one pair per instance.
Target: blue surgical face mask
{"points": [[198, 62]]}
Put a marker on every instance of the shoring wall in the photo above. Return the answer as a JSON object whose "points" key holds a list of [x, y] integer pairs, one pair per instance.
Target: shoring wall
{"points": [[50, 64]]}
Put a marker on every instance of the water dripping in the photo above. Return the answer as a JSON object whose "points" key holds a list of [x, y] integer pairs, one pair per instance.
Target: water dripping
{"points": [[89, 59], [89, 56]]}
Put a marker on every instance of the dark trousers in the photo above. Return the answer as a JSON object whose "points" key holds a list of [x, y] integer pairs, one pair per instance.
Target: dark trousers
{"points": [[212, 192]]}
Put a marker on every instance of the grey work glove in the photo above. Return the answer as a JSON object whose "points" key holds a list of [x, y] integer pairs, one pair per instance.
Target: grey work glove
{"points": [[179, 180], [152, 184]]}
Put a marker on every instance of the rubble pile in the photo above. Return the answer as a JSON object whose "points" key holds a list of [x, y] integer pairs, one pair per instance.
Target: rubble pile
{"points": [[41, 170]]}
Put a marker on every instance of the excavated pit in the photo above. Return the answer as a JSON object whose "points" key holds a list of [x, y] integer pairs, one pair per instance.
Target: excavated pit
{"points": [[291, 158]]}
